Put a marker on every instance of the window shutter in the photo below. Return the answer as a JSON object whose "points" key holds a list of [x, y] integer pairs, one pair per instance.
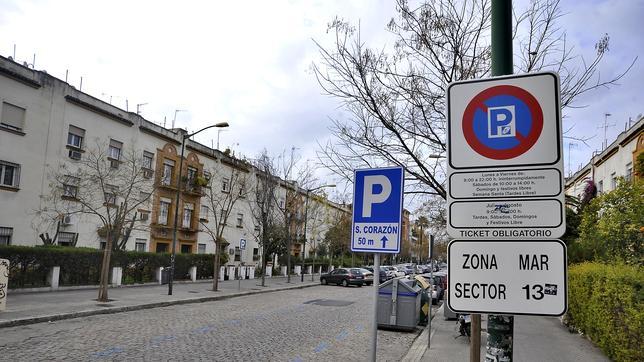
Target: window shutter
{"points": [[13, 116], [76, 131]]}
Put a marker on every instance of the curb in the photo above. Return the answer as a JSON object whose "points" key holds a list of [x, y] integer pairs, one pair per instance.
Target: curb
{"points": [[113, 310], [418, 348]]}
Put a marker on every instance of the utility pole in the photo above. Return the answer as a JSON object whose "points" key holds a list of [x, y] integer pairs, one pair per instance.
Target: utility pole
{"points": [[570, 145], [500, 328]]}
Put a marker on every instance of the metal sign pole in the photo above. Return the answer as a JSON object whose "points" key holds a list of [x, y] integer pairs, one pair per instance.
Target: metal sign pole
{"points": [[431, 290], [376, 288]]}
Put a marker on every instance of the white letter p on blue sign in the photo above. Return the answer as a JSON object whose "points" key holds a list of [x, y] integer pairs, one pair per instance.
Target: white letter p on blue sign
{"points": [[369, 197]]}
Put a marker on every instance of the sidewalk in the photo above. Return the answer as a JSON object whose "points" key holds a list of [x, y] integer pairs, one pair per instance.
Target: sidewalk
{"points": [[28, 308], [535, 339]]}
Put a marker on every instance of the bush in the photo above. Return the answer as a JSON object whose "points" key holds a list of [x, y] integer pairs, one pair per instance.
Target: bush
{"points": [[29, 266], [607, 304], [612, 226]]}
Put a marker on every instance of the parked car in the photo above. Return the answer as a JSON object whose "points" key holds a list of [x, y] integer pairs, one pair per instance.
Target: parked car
{"points": [[407, 269], [397, 273], [382, 275], [367, 275], [344, 277]]}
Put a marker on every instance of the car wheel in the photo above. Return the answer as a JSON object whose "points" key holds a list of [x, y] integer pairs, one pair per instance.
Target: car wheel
{"points": [[345, 283], [323, 281], [360, 285]]}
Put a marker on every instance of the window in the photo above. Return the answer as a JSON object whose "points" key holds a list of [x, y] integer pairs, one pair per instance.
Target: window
{"points": [[110, 194], [600, 187], [281, 204], [9, 174], [242, 192], [613, 181], [70, 186], [164, 207], [144, 215], [237, 253], [201, 248], [102, 245], [240, 220], [5, 235], [162, 248], [140, 244], [13, 117], [225, 185], [114, 152], [629, 172], [207, 175], [186, 249], [222, 217], [168, 169], [75, 137], [257, 228], [67, 239], [187, 215], [191, 178], [203, 215], [148, 157]]}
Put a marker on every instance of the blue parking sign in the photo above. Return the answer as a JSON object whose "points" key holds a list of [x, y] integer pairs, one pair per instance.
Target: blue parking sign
{"points": [[377, 210]]}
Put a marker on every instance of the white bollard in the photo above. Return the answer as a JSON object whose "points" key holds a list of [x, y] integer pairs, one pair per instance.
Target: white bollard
{"points": [[251, 272], [231, 272], [283, 271], [54, 277], [298, 269], [4, 283], [222, 271], [308, 269], [117, 276], [320, 270], [269, 271], [159, 273], [193, 273]]}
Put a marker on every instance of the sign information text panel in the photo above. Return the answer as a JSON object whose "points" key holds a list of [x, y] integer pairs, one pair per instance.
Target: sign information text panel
{"points": [[508, 277]]}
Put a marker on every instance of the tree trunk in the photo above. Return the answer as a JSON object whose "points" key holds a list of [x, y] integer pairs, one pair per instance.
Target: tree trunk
{"points": [[263, 269], [105, 269], [215, 276]]}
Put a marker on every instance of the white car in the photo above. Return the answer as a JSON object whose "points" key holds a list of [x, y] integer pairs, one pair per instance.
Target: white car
{"points": [[397, 273]]}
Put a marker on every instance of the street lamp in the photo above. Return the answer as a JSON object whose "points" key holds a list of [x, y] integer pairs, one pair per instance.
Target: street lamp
{"points": [[176, 204], [306, 214]]}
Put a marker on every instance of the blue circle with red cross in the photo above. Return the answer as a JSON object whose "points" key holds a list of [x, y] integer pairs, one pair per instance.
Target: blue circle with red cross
{"points": [[502, 122]]}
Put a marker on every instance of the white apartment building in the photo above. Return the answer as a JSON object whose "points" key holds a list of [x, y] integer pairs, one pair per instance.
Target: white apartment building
{"points": [[45, 122], [615, 161]]}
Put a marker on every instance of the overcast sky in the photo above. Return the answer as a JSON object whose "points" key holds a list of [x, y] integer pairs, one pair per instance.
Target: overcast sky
{"points": [[248, 62]]}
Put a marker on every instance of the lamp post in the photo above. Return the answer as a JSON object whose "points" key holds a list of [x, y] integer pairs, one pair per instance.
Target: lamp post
{"points": [[306, 215], [176, 204]]}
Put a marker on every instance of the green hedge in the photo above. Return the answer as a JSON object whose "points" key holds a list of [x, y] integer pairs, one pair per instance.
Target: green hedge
{"points": [[29, 266], [606, 302]]}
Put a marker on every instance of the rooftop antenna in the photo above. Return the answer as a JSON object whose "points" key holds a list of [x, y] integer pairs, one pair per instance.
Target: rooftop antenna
{"points": [[127, 105], [138, 108], [164, 118], [66, 74], [570, 145], [175, 115], [81, 85], [605, 127], [14, 51]]}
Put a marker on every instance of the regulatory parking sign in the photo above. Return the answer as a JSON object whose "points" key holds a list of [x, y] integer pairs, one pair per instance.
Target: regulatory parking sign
{"points": [[505, 165], [507, 277], [377, 210]]}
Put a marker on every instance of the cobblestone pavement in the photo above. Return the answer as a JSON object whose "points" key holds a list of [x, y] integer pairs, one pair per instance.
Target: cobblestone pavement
{"points": [[321, 323]]}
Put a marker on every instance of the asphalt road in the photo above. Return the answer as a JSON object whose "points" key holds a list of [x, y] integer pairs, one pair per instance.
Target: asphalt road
{"points": [[321, 323]]}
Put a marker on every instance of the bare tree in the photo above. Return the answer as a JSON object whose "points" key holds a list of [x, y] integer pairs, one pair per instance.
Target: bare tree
{"points": [[270, 232], [104, 186], [226, 186], [396, 98]]}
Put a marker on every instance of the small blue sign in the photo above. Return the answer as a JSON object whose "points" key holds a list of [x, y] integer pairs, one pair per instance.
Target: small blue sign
{"points": [[242, 244], [377, 210]]}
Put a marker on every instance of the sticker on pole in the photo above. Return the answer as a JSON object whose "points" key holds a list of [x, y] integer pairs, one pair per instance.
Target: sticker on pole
{"points": [[377, 210], [507, 277]]}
